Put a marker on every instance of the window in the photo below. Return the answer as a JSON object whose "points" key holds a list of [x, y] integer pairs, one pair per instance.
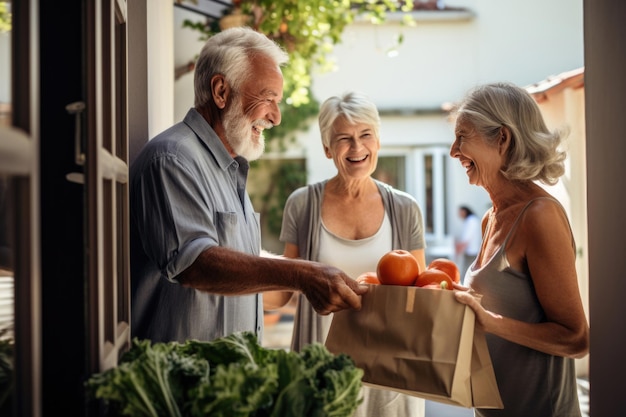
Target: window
{"points": [[421, 171], [392, 170]]}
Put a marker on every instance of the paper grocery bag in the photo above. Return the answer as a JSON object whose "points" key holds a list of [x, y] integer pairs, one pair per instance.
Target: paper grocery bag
{"points": [[418, 341]]}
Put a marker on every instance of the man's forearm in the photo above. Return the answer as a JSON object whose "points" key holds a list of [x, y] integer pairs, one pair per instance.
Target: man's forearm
{"points": [[228, 272]]}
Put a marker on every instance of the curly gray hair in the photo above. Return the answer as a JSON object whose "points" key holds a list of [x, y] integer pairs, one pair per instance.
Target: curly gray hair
{"points": [[535, 152]]}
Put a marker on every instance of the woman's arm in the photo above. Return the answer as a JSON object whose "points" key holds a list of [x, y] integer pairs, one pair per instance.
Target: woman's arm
{"points": [[420, 255], [550, 260], [273, 300]]}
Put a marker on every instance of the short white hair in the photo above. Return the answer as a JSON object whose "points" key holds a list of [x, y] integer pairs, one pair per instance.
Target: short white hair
{"points": [[230, 54], [356, 107]]}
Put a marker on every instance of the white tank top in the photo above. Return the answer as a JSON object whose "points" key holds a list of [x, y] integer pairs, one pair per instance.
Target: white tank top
{"points": [[355, 257]]}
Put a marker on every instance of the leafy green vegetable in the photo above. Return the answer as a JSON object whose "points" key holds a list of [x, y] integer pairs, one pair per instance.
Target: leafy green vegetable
{"points": [[7, 358], [232, 377]]}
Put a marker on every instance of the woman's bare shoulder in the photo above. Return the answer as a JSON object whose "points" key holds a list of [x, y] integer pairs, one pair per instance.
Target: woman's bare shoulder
{"points": [[545, 216]]}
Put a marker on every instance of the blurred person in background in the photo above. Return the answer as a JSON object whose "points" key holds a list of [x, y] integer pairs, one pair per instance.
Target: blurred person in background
{"points": [[530, 305], [467, 244], [350, 221]]}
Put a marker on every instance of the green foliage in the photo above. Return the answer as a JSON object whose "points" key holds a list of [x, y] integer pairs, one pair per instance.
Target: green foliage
{"points": [[271, 181], [231, 377], [284, 180], [7, 370], [5, 17], [293, 120], [308, 31]]}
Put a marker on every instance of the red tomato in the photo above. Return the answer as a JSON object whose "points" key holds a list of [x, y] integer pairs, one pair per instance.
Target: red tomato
{"points": [[448, 266], [434, 276], [397, 267], [368, 278]]}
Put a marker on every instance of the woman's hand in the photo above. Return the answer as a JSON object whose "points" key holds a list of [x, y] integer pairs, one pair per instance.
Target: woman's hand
{"points": [[466, 296]]}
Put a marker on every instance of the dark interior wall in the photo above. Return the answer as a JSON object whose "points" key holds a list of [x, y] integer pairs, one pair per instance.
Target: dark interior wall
{"points": [[605, 90], [61, 63]]}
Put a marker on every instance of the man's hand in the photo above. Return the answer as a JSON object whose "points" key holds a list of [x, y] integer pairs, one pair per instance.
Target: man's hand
{"points": [[327, 288], [331, 290]]}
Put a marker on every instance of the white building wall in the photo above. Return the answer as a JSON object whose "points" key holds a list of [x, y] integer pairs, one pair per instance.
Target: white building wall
{"points": [[186, 49], [519, 41], [440, 58], [160, 22], [433, 64], [526, 41], [5, 67]]}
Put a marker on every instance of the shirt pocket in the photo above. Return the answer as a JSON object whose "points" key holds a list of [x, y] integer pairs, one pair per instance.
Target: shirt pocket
{"points": [[235, 233]]}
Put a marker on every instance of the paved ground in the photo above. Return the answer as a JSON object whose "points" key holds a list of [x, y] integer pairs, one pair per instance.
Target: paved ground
{"points": [[435, 409]]}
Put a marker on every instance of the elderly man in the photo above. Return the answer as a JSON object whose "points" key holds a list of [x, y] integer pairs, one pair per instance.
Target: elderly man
{"points": [[197, 271]]}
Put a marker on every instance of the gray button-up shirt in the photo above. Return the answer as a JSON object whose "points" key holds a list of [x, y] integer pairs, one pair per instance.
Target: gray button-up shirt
{"points": [[184, 199]]}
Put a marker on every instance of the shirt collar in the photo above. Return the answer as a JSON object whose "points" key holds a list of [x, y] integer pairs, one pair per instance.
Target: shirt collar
{"points": [[207, 135]]}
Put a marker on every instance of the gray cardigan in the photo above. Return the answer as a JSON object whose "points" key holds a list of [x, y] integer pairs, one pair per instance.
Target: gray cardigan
{"points": [[302, 224]]}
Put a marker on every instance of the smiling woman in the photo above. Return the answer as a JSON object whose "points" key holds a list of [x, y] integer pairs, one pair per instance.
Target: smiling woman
{"points": [[350, 221], [525, 271]]}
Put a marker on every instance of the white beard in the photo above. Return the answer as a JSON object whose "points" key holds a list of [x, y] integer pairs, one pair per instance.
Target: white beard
{"points": [[239, 133]]}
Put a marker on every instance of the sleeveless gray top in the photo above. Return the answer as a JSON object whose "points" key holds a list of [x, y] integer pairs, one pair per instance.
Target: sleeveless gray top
{"points": [[531, 383]]}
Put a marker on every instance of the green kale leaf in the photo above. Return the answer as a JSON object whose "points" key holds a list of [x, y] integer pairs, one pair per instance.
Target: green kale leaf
{"points": [[231, 377]]}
